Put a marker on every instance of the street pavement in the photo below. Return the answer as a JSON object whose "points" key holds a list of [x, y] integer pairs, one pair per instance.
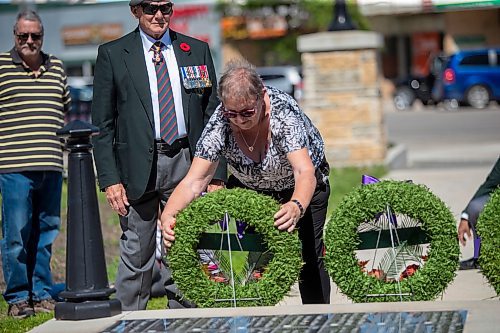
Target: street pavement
{"points": [[452, 173]]}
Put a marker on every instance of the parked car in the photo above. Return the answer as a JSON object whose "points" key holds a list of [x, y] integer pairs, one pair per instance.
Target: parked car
{"points": [[286, 78], [413, 88], [470, 77], [81, 91]]}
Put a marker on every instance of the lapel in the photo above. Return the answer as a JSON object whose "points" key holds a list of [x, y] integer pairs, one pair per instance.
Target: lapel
{"points": [[183, 59], [136, 65]]}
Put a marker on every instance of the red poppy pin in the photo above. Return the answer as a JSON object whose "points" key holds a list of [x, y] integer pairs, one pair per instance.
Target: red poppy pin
{"points": [[185, 47]]}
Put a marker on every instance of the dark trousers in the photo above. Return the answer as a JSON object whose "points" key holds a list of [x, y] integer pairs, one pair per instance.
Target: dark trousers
{"points": [[314, 283], [474, 208]]}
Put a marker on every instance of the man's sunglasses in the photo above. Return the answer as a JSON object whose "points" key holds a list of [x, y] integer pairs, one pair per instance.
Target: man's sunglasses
{"points": [[150, 9], [245, 113], [25, 36]]}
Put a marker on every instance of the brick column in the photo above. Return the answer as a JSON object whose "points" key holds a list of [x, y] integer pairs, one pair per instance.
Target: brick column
{"points": [[342, 94]]}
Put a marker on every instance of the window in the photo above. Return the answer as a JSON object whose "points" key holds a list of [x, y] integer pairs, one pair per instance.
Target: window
{"points": [[475, 60]]}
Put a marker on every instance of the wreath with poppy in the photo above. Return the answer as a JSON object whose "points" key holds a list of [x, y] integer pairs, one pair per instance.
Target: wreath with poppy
{"points": [[257, 211], [185, 47], [488, 228], [404, 199]]}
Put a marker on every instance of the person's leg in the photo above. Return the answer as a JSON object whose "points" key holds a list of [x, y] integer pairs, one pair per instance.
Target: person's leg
{"points": [[475, 208], [158, 279], [46, 223], [171, 170], [314, 284], [16, 191], [137, 252]]}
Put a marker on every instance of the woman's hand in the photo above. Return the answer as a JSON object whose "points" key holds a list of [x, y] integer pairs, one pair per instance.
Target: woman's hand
{"points": [[167, 230], [215, 185], [287, 217]]}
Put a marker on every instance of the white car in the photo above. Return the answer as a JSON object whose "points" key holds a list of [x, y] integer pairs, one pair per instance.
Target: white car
{"points": [[286, 78]]}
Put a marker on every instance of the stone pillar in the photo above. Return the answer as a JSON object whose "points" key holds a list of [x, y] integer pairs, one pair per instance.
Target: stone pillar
{"points": [[342, 94]]}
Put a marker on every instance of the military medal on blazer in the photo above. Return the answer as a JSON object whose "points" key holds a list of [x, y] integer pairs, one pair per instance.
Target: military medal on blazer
{"points": [[195, 77]]}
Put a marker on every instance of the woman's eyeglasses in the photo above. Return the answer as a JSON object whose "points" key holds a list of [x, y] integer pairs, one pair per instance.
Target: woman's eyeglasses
{"points": [[25, 36], [150, 9], [245, 113]]}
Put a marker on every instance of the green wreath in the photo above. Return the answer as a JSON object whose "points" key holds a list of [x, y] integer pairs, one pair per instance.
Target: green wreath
{"points": [[256, 210], [366, 202], [488, 228]]}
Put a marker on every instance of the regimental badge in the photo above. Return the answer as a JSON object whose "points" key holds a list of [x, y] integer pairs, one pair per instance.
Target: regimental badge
{"points": [[195, 77]]}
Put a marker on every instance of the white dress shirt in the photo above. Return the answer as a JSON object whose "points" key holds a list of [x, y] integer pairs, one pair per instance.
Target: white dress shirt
{"points": [[175, 81]]}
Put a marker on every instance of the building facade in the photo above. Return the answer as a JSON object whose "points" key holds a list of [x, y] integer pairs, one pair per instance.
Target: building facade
{"points": [[416, 30], [73, 31]]}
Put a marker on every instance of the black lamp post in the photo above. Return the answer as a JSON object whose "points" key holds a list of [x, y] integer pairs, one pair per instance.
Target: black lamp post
{"points": [[87, 290], [341, 18]]}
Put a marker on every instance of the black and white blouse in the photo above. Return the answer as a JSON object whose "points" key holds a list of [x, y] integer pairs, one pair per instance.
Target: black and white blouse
{"points": [[291, 130]]}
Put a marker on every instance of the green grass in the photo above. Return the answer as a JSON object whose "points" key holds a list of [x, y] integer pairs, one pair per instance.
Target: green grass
{"points": [[342, 181], [11, 325]]}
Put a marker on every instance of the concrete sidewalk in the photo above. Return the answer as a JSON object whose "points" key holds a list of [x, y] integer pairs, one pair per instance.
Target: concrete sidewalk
{"points": [[482, 316]]}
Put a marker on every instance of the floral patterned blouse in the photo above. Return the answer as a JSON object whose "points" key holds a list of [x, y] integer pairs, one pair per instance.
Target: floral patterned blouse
{"points": [[291, 130]]}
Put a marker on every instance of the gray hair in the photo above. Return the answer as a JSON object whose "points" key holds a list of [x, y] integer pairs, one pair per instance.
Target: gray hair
{"points": [[28, 15], [240, 79]]}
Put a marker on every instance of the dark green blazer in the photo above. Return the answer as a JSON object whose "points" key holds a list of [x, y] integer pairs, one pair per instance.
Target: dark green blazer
{"points": [[123, 111]]}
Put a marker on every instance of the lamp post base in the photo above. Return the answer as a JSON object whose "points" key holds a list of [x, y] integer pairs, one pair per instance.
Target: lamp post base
{"points": [[87, 309]]}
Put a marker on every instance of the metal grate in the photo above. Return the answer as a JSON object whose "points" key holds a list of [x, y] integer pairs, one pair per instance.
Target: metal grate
{"points": [[397, 322]]}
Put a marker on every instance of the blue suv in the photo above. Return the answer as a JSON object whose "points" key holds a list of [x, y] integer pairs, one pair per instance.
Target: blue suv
{"points": [[470, 77]]}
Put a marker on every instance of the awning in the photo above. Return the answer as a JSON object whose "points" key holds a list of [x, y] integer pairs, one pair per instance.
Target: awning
{"points": [[389, 7], [394, 7], [464, 4]]}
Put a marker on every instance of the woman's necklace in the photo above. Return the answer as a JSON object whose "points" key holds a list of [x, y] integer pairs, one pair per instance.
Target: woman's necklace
{"points": [[250, 148]]}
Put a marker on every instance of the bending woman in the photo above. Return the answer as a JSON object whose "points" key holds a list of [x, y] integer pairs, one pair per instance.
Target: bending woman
{"points": [[271, 147]]}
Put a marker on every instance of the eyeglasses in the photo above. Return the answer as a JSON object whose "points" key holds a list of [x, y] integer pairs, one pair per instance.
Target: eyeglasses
{"points": [[245, 113], [150, 9], [25, 36]]}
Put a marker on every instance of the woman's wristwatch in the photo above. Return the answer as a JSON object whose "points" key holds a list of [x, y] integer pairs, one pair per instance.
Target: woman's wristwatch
{"points": [[301, 208]]}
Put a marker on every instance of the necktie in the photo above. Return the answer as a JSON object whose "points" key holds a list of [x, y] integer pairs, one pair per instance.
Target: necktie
{"points": [[168, 120]]}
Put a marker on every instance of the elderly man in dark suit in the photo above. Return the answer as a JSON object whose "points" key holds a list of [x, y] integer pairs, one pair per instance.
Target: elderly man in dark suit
{"points": [[154, 91]]}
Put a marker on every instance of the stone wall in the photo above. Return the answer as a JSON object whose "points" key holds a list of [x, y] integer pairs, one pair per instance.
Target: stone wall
{"points": [[342, 96]]}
